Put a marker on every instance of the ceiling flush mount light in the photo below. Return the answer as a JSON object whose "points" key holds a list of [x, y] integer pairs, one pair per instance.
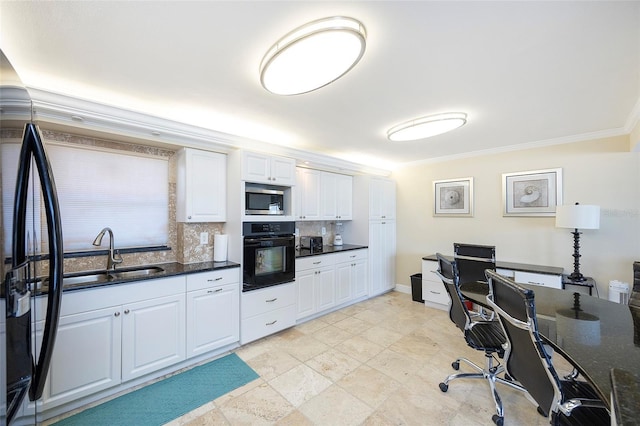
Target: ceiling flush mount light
{"points": [[425, 127], [313, 55]]}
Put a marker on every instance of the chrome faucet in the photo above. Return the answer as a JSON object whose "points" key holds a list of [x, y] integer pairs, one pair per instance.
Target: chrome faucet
{"points": [[114, 256]]}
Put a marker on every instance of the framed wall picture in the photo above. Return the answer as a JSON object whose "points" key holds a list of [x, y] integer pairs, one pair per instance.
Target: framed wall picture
{"points": [[532, 193], [453, 197]]}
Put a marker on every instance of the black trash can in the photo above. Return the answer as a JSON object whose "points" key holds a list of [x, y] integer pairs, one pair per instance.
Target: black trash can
{"points": [[416, 288]]}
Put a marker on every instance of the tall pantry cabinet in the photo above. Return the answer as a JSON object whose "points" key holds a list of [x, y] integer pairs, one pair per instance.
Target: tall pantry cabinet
{"points": [[374, 225]]}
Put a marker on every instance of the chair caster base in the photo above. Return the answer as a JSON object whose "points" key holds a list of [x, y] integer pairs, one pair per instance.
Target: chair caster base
{"points": [[499, 421], [443, 387], [455, 365]]}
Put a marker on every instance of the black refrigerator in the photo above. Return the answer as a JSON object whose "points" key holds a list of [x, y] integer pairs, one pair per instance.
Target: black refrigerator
{"points": [[23, 372]]}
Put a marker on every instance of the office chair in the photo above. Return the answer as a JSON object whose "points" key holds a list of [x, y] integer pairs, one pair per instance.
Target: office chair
{"points": [[563, 402], [472, 260], [484, 336]]}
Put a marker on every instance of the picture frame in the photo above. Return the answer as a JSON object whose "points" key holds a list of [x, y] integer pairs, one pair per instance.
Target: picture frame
{"points": [[453, 197], [532, 193]]}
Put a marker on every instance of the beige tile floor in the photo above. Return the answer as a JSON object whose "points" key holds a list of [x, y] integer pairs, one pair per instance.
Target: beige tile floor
{"points": [[377, 362]]}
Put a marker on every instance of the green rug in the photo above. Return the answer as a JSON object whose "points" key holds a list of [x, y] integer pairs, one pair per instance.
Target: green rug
{"points": [[170, 398]]}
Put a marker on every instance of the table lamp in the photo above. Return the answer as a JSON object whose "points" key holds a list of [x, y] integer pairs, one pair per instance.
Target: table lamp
{"points": [[577, 216]]}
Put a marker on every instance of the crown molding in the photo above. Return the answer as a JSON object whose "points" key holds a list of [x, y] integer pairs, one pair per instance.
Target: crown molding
{"points": [[69, 113]]}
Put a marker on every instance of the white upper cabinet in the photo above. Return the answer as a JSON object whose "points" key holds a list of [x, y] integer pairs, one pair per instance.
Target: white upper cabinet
{"points": [[201, 186], [307, 194], [344, 197], [323, 195], [382, 199], [270, 169]]}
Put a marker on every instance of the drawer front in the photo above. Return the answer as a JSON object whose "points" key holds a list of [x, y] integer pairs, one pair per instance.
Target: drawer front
{"points": [[90, 299], [351, 256], [317, 261], [212, 279], [434, 292], [268, 299], [553, 281], [267, 323], [505, 272], [428, 268]]}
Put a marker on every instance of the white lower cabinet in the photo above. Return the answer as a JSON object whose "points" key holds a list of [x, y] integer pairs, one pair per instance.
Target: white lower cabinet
{"points": [[315, 284], [87, 355], [433, 291], [326, 281], [110, 335], [153, 335], [213, 310], [351, 276], [267, 311], [382, 251]]}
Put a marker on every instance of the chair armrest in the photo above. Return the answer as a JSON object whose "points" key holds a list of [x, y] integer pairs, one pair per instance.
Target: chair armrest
{"points": [[568, 406]]}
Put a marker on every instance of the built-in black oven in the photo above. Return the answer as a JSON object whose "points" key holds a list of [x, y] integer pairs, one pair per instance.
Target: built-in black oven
{"points": [[269, 254]]}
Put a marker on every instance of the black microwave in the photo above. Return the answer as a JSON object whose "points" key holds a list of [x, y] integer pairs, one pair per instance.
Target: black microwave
{"points": [[264, 200]]}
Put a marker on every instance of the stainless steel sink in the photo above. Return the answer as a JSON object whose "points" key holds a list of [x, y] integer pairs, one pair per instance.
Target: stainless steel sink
{"points": [[88, 278], [135, 272], [91, 277]]}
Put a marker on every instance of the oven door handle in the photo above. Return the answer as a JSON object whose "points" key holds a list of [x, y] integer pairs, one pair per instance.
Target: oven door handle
{"points": [[257, 242]]}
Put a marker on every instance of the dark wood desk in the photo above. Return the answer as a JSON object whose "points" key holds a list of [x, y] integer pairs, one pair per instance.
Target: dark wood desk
{"points": [[613, 342]]}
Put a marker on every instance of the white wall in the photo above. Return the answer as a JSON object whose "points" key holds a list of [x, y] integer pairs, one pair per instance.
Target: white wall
{"points": [[602, 172]]}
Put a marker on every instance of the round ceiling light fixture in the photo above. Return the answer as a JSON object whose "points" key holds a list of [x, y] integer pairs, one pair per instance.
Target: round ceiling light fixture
{"points": [[425, 127], [313, 55]]}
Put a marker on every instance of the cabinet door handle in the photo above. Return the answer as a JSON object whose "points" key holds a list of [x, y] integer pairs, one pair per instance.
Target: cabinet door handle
{"points": [[126, 311], [271, 300], [271, 323], [117, 314]]}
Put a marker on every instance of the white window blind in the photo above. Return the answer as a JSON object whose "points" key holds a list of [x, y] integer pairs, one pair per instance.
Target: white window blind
{"points": [[124, 191]]}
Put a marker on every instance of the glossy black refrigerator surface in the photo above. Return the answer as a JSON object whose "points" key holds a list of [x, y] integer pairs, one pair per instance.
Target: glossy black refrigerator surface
{"points": [[23, 372]]}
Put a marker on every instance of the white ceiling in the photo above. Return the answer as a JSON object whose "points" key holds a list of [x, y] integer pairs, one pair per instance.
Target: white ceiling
{"points": [[524, 72]]}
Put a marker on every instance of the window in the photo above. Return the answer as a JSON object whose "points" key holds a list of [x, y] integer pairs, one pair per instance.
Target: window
{"points": [[125, 191]]}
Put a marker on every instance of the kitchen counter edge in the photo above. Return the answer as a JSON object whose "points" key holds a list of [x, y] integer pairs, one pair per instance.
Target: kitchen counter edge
{"points": [[171, 269], [328, 250]]}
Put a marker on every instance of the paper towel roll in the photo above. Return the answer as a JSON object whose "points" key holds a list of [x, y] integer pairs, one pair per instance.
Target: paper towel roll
{"points": [[220, 242]]}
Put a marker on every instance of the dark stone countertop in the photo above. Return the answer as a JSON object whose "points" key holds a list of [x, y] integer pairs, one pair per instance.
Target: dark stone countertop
{"points": [[168, 270], [524, 267], [328, 250], [625, 387]]}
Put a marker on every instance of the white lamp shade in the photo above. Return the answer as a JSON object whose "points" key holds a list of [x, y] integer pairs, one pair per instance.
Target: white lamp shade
{"points": [[578, 216]]}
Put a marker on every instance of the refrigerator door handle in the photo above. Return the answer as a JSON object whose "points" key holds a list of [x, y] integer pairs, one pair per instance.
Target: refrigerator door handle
{"points": [[32, 147]]}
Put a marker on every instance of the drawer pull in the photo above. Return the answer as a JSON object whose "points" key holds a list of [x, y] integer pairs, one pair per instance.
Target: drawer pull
{"points": [[318, 262], [215, 279], [217, 290], [434, 292], [117, 314], [271, 323], [352, 256], [126, 311], [271, 300], [535, 283]]}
